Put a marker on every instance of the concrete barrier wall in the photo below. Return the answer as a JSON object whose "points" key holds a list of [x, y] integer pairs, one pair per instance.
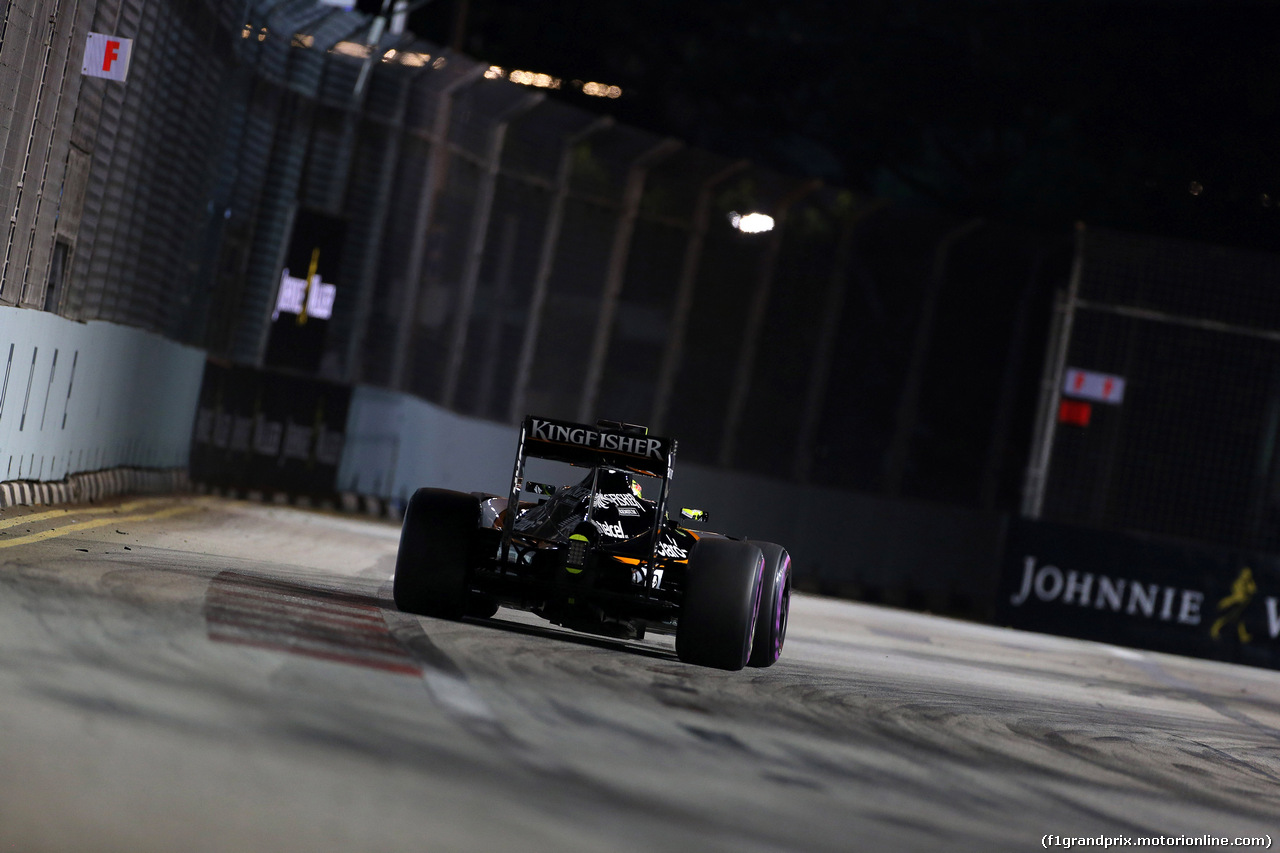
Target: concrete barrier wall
{"points": [[844, 543], [911, 553], [396, 443], [78, 397]]}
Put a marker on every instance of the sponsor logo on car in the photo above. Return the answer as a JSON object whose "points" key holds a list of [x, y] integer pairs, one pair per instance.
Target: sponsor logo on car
{"points": [[610, 499], [667, 548], [634, 445], [609, 529]]}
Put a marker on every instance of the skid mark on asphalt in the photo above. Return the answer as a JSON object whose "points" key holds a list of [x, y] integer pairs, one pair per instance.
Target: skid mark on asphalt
{"points": [[1217, 704], [341, 627], [449, 686], [349, 628], [444, 679], [287, 617], [359, 630]]}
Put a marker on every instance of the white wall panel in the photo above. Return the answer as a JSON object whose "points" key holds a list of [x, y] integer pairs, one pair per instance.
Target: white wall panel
{"points": [[80, 397]]}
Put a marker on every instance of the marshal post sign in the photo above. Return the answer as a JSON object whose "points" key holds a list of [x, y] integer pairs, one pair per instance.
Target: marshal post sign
{"points": [[107, 56], [1142, 591]]}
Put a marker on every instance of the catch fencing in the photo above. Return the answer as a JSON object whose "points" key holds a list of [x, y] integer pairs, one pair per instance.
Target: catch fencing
{"points": [[497, 249], [1190, 447]]}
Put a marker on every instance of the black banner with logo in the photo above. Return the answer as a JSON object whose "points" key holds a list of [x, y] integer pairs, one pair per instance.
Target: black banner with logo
{"points": [[1141, 591], [258, 429], [306, 292]]}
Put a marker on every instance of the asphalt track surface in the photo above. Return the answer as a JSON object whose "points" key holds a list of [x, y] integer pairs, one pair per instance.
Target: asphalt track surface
{"points": [[194, 674]]}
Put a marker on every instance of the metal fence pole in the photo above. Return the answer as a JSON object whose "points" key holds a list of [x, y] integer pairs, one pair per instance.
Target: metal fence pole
{"points": [[493, 333], [1055, 365], [353, 362], [476, 244], [546, 258], [824, 347], [1008, 385], [616, 271], [755, 320], [422, 222], [674, 350], [909, 403]]}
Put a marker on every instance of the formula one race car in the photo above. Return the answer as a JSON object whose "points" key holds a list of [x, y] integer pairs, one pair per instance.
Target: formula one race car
{"points": [[595, 556]]}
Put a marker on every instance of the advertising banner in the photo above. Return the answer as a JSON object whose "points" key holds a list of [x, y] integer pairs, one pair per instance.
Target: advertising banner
{"points": [[307, 292], [1141, 591], [257, 429]]}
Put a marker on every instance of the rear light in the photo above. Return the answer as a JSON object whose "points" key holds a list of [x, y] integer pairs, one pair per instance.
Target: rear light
{"points": [[577, 553]]}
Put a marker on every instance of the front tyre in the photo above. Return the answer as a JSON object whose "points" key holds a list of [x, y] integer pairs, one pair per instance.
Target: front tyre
{"points": [[433, 561], [717, 619], [775, 606]]}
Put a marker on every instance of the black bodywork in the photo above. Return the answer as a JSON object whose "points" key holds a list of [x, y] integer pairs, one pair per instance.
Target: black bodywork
{"points": [[596, 555]]}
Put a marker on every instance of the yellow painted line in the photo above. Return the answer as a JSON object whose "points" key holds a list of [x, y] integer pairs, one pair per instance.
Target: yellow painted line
{"points": [[59, 513], [97, 522]]}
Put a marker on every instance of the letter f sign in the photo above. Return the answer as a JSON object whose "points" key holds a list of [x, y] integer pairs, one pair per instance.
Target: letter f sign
{"points": [[107, 56]]}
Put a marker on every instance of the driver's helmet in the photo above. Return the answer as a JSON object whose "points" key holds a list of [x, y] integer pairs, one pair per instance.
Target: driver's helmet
{"points": [[610, 481]]}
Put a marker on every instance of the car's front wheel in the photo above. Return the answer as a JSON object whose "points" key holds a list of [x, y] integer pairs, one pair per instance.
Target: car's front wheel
{"points": [[433, 561], [717, 621]]}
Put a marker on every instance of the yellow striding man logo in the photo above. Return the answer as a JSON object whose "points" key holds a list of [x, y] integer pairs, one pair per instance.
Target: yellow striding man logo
{"points": [[1233, 606]]}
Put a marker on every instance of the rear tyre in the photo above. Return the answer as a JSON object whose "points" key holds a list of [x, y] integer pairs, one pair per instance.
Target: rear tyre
{"points": [[721, 599], [775, 606], [433, 562]]}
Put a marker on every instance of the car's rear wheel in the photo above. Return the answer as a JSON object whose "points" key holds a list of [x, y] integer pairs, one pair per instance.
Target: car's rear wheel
{"points": [[775, 606], [721, 599], [433, 562]]}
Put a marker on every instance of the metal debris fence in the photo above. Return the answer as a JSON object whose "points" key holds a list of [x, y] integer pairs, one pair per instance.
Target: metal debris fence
{"points": [[502, 251], [1191, 449]]}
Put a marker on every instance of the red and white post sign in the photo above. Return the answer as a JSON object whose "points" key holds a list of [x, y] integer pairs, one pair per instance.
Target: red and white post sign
{"points": [[1090, 385], [107, 56]]}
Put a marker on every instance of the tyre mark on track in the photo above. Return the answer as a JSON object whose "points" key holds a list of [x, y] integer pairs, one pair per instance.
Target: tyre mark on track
{"points": [[342, 627], [449, 685], [444, 679], [1217, 704]]}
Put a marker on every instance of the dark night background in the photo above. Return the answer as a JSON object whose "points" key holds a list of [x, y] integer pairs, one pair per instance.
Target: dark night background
{"points": [[1041, 113]]}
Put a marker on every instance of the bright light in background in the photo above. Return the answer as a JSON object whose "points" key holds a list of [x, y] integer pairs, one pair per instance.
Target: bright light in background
{"points": [[546, 81], [600, 90], [529, 78], [351, 48], [524, 78], [751, 223], [358, 50]]}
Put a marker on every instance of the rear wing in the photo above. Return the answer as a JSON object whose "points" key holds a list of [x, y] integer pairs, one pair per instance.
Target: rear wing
{"points": [[611, 445], [608, 444]]}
